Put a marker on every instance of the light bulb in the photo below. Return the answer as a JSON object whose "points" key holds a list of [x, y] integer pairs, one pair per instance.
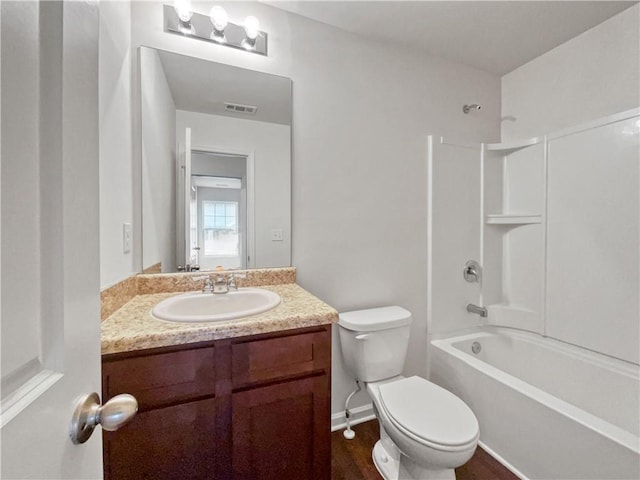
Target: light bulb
{"points": [[251, 27], [219, 18], [183, 9]]}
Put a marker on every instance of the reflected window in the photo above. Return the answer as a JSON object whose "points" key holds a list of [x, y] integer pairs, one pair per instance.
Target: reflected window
{"points": [[220, 228]]}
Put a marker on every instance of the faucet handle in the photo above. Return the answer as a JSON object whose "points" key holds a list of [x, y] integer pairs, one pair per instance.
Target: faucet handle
{"points": [[231, 280], [208, 284], [472, 272]]}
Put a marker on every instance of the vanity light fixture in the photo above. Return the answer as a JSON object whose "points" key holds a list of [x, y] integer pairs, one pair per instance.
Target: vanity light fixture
{"points": [[251, 30], [184, 12], [219, 20], [215, 27]]}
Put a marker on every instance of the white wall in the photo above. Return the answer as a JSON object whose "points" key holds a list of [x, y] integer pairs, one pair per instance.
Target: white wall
{"points": [[592, 75], [455, 234], [116, 182], [158, 165], [361, 114], [218, 166], [270, 144]]}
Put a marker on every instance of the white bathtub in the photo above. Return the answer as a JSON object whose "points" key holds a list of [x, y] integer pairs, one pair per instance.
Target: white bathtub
{"points": [[548, 410]]}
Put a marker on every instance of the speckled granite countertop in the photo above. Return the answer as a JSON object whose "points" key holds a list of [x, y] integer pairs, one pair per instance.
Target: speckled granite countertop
{"points": [[133, 328]]}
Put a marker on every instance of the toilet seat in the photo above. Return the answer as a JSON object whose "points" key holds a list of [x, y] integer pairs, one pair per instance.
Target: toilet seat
{"points": [[429, 414]]}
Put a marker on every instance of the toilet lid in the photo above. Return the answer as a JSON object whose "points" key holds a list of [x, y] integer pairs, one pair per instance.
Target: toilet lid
{"points": [[429, 412], [374, 319]]}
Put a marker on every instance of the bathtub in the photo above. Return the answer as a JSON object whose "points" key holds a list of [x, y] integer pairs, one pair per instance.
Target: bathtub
{"points": [[547, 410]]}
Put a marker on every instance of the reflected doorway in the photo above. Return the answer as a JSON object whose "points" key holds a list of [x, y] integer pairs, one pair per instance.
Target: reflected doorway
{"points": [[218, 222], [219, 210]]}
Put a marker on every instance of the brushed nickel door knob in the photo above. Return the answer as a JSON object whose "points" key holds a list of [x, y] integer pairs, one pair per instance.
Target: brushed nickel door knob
{"points": [[112, 415]]}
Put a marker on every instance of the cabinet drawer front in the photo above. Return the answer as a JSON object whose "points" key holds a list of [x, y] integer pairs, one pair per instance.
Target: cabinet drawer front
{"points": [[161, 379], [282, 357]]}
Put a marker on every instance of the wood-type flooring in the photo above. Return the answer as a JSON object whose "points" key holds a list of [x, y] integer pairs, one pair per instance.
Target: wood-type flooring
{"points": [[351, 459]]}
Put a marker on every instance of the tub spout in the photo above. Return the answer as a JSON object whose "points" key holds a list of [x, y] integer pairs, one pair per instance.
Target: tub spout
{"points": [[482, 311]]}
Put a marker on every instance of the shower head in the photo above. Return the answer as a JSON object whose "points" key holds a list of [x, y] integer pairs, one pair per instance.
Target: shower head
{"points": [[468, 108]]}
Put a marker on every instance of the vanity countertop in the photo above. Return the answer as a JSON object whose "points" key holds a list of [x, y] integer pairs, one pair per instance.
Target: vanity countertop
{"points": [[133, 328]]}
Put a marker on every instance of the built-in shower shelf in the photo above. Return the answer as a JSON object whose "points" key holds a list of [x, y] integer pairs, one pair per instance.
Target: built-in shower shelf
{"points": [[513, 219], [507, 314], [509, 147]]}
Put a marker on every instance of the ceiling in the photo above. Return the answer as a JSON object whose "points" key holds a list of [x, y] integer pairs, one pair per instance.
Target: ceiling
{"points": [[495, 36], [201, 86]]}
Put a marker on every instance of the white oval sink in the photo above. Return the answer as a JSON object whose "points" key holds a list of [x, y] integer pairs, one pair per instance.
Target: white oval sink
{"points": [[214, 307]]}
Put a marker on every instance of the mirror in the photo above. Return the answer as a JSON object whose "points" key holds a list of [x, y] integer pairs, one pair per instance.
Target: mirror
{"points": [[216, 165]]}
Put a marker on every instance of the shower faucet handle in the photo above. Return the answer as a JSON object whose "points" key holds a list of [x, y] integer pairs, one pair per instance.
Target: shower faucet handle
{"points": [[472, 272]]}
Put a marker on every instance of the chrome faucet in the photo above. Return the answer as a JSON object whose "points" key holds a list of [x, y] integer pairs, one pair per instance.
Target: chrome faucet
{"points": [[220, 285], [482, 311], [189, 268]]}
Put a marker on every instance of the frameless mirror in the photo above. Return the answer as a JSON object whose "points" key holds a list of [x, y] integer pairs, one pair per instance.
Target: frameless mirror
{"points": [[216, 165]]}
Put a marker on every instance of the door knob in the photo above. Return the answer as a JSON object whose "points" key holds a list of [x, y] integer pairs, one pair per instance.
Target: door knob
{"points": [[112, 415]]}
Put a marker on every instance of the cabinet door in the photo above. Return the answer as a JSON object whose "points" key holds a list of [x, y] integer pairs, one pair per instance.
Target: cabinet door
{"points": [[283, 431], [167, 443]]}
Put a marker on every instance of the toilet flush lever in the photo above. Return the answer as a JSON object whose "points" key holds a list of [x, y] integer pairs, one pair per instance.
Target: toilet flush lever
{"points": [[362, 336]]}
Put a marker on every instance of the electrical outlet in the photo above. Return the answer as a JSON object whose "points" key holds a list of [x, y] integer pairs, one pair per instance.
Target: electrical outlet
{"points": [[126, 237], [276, 235]]}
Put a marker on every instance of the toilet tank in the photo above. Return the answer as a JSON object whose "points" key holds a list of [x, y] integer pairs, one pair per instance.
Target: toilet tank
{"points": [[374, 342]]}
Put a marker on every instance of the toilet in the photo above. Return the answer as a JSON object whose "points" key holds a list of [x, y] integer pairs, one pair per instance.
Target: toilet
{"points": [[425, 430]]}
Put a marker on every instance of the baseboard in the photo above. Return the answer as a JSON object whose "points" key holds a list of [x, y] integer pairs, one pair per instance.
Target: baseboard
{"points": [[358, 415], [501, 460]]}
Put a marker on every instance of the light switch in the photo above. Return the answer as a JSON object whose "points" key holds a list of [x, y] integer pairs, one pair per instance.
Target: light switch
{"points": [[126, 237], [276, 235]]}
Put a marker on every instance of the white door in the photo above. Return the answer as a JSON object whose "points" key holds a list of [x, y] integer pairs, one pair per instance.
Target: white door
{"points": [[185, 237], [222, 167], [50, 246], [220, 222], [191, 253]]}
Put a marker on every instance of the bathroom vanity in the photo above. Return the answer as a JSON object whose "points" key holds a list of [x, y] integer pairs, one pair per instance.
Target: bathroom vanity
{"points": [[248, 398]]}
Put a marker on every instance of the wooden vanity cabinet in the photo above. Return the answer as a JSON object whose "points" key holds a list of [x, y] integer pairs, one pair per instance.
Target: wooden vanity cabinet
{"points": [[281, 407], [255, 407], [165, 443]]}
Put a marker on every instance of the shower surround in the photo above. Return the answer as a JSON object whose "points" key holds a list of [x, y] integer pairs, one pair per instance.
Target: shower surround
{"points": [[554, 223]]}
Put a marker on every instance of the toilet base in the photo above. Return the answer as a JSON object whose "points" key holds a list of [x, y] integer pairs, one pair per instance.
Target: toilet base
{"points": [[389, 466]]}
